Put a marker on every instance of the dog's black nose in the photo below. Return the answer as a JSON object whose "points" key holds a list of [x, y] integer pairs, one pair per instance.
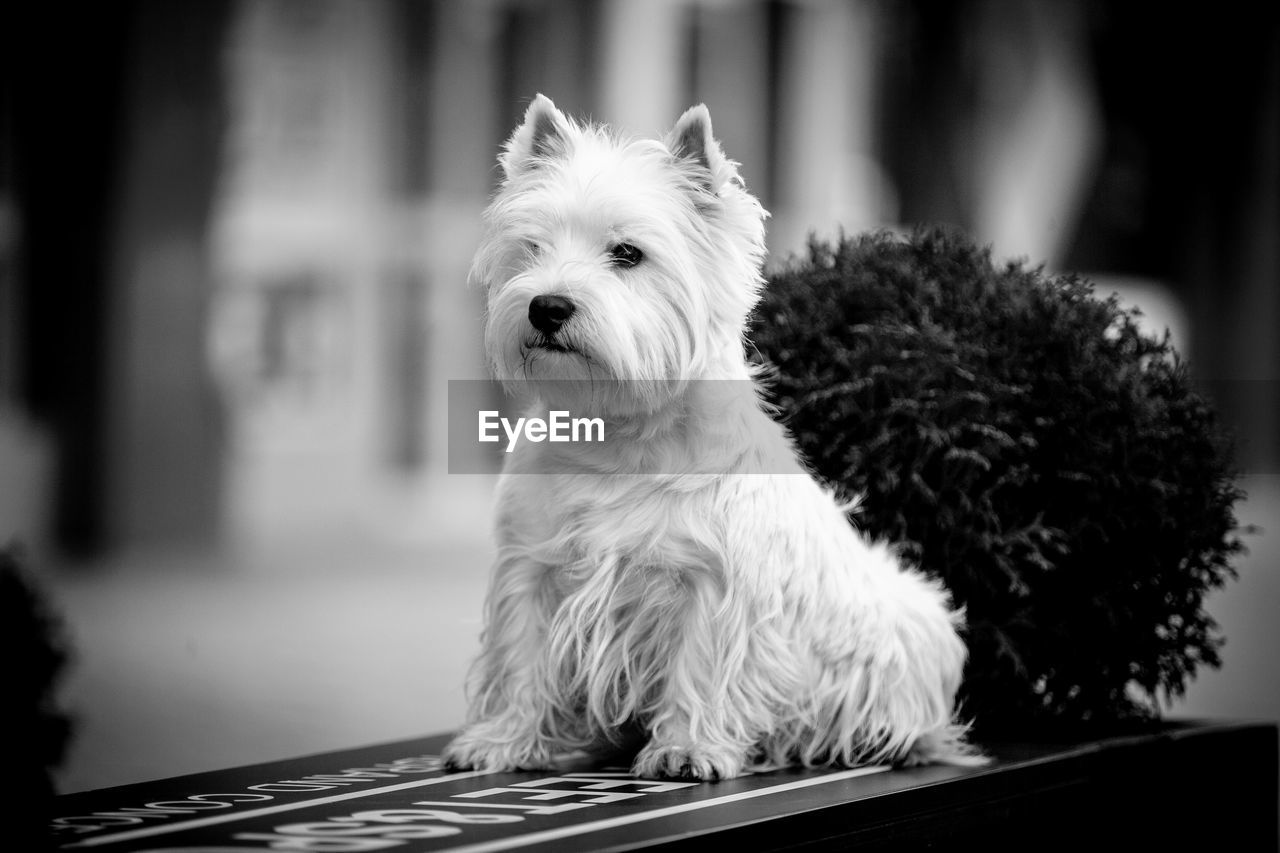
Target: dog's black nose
{"points": [[549, 313]]}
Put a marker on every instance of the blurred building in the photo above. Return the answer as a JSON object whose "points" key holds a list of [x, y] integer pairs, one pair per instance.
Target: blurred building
{"points": [[234, 236]]}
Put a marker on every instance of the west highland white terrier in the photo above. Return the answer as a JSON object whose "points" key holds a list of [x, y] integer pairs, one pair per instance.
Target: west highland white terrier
{"points": [[687, 581]]}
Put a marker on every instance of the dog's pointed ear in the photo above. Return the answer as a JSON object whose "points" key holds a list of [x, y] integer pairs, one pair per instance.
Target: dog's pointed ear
{"points": [[541, 135], [691, 141]]}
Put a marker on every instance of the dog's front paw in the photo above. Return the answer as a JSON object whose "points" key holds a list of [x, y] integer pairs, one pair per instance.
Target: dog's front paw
{"points": [[708, 763], [491, 747]]}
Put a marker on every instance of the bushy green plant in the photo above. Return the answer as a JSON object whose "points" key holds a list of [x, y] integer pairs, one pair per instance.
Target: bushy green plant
{"points": [[1022, 439]]}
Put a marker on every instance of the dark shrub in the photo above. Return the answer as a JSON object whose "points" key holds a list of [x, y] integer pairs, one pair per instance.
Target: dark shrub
{"points": [[1021, 438], [37, 728]]}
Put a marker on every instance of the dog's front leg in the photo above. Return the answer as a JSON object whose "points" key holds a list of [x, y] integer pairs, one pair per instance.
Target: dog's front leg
{"points": [[702, 728], [513, 722]]}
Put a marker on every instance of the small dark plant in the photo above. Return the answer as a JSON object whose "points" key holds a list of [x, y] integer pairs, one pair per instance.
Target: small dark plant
{"points": [[36, 727], [1022, 439]]}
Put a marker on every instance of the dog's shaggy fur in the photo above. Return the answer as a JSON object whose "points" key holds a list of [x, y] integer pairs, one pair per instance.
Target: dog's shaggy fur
{"points": [[688, 579]]}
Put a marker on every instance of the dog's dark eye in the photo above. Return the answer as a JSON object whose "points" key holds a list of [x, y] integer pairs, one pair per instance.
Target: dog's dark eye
{"points": [[625, 255]]}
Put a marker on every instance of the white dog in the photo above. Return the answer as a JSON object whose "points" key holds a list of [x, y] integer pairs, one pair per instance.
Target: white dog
{"points": [[687, 579]]}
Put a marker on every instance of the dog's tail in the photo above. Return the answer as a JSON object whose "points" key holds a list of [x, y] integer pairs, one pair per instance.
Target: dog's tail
{"points": [[947, 745]]}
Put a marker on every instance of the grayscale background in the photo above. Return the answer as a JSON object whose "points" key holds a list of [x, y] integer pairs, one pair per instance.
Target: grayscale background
{"points": [[234, 239]]}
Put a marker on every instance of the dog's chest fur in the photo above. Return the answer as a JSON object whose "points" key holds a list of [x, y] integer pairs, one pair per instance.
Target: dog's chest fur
{"points": [[625, 561], [580, 526]]}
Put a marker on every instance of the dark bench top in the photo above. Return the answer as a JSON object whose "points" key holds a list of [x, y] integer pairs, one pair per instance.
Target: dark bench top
{"points": [[1180, 786]]}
